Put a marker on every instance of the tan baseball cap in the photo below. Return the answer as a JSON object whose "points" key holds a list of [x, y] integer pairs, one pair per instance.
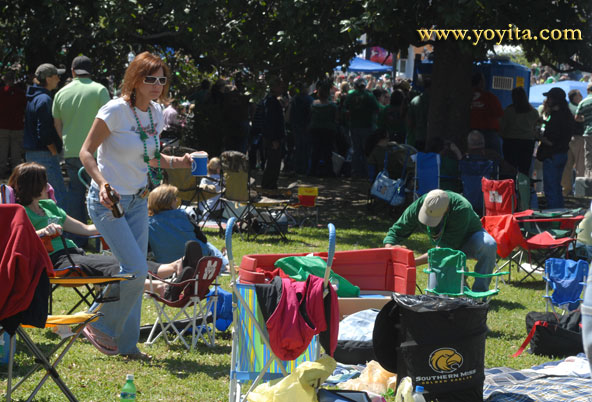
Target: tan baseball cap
{"points": [[434, 207]]}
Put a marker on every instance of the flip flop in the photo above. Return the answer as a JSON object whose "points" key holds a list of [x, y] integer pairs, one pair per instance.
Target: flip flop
{"points": [[95, 340]]}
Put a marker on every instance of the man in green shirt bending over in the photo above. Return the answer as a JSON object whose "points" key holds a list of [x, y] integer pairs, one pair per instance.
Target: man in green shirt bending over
{"points": [[449, 220]]}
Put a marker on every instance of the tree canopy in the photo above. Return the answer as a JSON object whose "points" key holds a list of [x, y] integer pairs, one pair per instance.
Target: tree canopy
{"points": [[300, 39]]}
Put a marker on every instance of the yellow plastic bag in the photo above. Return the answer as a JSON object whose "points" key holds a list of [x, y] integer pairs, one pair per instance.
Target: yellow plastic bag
{"points": [[298, 385], [405, 391], [374, 378]]}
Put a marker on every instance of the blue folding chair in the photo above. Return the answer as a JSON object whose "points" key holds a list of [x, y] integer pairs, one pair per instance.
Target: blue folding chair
{"points": [[567, 280], [471, 172], [427, 173]]}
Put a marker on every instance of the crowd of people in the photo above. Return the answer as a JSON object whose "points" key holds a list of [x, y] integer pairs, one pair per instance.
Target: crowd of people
{"points": [[116, 142]]}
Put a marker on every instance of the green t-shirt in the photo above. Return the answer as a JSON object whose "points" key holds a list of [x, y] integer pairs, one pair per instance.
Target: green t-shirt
{"points": [[391, 120], [53, 214], [460, 223], [418, 116], [362, 106], [585, 109], [76, 105]]}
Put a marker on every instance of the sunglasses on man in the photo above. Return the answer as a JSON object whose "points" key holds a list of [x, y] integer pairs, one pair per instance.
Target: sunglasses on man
{"points": [[152, 80]]}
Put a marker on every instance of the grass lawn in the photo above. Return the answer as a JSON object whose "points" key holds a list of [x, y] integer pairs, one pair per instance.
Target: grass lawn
{"points": [[174, 374]]}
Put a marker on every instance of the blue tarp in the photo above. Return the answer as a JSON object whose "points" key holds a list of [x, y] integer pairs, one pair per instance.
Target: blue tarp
{"points": [[536, 96], [359, 65]]}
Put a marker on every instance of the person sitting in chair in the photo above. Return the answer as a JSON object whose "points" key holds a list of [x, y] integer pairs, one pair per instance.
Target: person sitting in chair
{"points": [[29, 181], [449, 220], [476, 150]]}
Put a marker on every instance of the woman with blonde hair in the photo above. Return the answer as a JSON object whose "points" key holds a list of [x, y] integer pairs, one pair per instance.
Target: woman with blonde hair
{"points": [[170, 229], [126, 137]]}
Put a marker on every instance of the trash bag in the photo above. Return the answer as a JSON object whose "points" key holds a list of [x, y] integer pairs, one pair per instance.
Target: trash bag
{"points": [[437, 341]]}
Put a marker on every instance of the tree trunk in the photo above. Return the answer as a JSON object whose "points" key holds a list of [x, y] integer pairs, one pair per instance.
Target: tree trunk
{"points": [[450, 97]]}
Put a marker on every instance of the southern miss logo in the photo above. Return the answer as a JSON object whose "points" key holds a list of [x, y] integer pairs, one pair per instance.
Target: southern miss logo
{"points": [[445, 360]]}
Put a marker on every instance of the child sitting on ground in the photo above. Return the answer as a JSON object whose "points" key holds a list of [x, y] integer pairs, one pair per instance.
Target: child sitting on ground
{"points": [[170, 228], [213, 208]]}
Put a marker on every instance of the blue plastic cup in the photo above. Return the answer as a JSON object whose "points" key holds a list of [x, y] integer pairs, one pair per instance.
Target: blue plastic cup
{"points": [[199, 165]]}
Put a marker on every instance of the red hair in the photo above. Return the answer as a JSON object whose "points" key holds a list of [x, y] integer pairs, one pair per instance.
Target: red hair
{"points": [[143, 65]]}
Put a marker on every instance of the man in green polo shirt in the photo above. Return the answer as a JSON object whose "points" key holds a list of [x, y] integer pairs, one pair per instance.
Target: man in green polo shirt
{"points": [[449, 220], [584, 116], [362, 107], [74, 109]]}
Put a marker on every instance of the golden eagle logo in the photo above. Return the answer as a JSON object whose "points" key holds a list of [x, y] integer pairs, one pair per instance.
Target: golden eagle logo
{"points": [[445, 360]]}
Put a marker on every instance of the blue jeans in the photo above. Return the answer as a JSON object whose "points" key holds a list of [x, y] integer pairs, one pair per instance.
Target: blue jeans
{"points": [[359, 164], [76, 197], [54, 174], [128, 239], [552, 173], [303, 149], [482, 247], [214, 252]]}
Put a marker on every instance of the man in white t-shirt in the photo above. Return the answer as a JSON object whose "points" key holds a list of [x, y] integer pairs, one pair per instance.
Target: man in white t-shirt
{"points": [[171, 117]]}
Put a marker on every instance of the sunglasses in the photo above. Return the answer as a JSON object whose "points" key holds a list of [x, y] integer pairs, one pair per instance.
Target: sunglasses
{"points": [[152, 80]]}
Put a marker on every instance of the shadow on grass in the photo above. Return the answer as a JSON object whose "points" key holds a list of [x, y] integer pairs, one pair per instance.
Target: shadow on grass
{"points": [[498, 304], [530, 285], [183, 368]]}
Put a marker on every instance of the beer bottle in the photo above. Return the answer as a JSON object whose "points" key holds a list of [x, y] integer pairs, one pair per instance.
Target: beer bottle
{"points": [[117, 209]]}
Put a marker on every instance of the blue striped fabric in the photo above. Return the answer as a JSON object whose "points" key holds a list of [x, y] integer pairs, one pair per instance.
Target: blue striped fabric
{"points": [[504, 384]]}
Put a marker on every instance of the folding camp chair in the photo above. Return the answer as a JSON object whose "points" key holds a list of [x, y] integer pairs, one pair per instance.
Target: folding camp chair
{"points": [[71, 276], [499, 196], [24, 269], [515, 245], [192, 305], [567, 281], [447, 271], [472, 170], [427, 173], [254, 214], [252, 358], [307, 200]]}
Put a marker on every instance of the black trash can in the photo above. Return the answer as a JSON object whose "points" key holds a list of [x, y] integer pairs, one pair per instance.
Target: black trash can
{"points": [[437, 341]]}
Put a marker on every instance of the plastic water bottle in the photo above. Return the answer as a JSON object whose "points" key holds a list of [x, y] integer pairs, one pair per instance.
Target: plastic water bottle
{"points": [[128, 392], [418, 394]]}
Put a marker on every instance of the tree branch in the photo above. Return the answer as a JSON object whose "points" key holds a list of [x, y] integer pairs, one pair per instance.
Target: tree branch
{"points": [[155, 36], [574, 64]]}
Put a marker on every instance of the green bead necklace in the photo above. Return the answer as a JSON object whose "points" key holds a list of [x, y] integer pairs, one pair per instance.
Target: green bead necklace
{"points": [[144, 136]]}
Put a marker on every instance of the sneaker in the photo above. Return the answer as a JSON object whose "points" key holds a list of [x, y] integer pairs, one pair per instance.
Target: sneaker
{"points": [[192, 256]]}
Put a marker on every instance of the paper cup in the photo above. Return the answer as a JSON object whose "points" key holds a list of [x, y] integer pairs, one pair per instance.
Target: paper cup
{"points": [[199, 165]]}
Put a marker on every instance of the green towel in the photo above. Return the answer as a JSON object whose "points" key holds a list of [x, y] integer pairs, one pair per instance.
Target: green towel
{"points": [[299, 268]]}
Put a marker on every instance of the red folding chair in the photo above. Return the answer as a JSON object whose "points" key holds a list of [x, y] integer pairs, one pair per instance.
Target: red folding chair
{"points": [[499, 196], [506, 231]]}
